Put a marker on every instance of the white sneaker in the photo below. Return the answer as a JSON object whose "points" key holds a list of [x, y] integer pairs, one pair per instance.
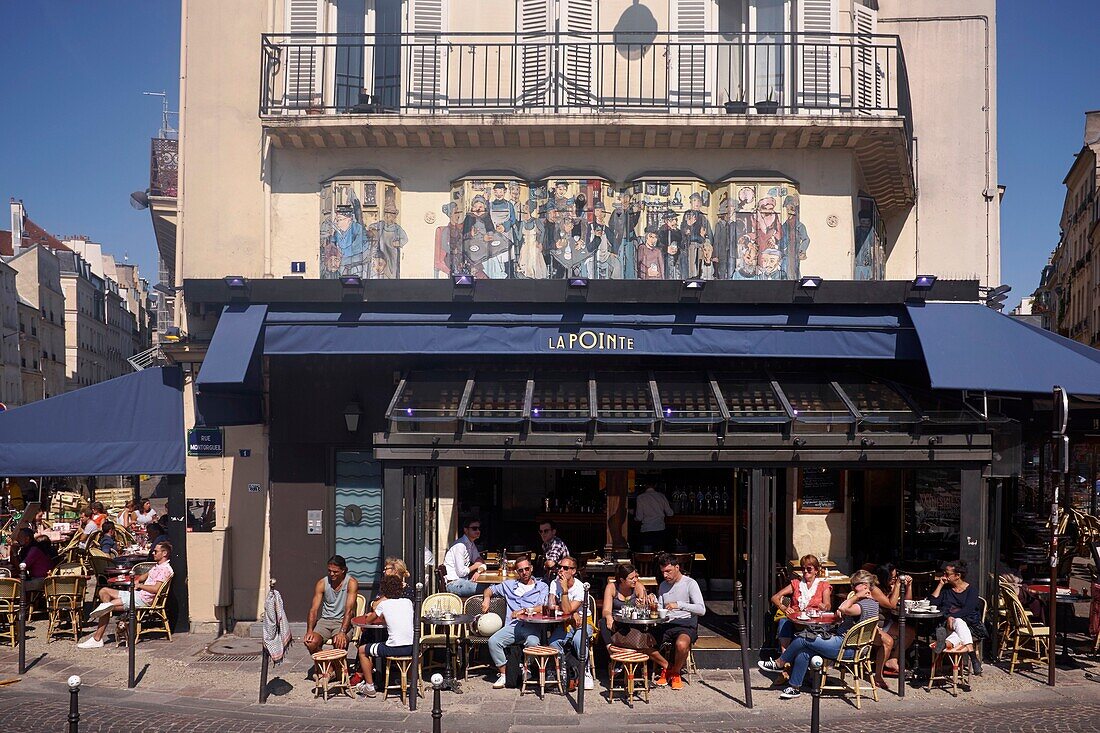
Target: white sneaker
{"points": [[101, 609], [499, 684], [588, 683], [90, 643]]}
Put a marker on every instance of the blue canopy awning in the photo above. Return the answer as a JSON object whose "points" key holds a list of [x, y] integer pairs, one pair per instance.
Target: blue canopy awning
{"points": [[124, 426], [970, 346], [231, 363], [840, 332]]}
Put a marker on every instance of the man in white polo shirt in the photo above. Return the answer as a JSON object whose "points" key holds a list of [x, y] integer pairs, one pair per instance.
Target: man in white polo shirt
{"points": [[463, 561]]}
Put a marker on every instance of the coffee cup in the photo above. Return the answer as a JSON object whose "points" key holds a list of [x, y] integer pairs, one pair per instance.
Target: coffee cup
{"points": [[662, 613]]}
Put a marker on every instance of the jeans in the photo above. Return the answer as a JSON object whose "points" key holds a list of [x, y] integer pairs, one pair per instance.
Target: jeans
{"points": [[800, 651], [561, 637], [508, 636], [464, 587]]}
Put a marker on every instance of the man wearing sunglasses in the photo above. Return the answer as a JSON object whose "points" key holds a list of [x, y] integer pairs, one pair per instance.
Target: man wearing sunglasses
{"points": [[463, 561], [553, 550], [524, 595], [567, 593]]}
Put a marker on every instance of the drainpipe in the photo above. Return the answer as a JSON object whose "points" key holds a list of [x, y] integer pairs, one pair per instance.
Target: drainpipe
{"points": [[988, 194]]}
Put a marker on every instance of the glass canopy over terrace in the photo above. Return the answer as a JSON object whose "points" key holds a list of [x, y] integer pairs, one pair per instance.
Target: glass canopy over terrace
{"points": [[609, 402]]}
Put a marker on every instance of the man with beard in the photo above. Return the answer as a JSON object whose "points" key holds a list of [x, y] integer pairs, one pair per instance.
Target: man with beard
{"points": [[747, 259], [624, 238], [390, 239], [670, 240]]}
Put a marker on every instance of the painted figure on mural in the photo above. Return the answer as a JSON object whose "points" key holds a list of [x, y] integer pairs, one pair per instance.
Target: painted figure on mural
{"points": [[746, 198], [503, 213], [670, 240], [865, 247], [771, 264], [624, 237], [795, 240], [725, 241], [450, 254], [389, 238], [696, 234], [532, 262], [350, 240], [560, 198], [482, 239], [651, 260], [765, 225], [606, 264], [748, 258]]}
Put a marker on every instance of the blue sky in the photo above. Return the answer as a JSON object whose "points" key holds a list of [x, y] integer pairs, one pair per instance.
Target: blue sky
{"points": [[74, 136], [75, 128]]}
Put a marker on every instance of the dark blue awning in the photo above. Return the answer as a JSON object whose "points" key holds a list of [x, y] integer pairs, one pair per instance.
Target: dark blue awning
{"points": [[232, 361], [969, 346], [129, 425], [841, 332]]}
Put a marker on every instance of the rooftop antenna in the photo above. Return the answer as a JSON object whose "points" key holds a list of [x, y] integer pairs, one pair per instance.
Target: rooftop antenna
{"points": [[166, 130]]}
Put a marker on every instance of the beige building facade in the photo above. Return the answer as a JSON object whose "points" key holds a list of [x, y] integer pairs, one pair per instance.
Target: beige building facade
{"points": [[1068, 287], [11, 383], [845, 139], [85, 327]]}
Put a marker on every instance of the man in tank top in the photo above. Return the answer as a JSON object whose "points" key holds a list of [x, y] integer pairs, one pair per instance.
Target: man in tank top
{"points": [[332, 609]]}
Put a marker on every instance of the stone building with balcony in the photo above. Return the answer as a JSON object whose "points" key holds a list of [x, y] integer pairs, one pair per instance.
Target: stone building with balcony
{"points": [[527, 151], [1069, 283]]}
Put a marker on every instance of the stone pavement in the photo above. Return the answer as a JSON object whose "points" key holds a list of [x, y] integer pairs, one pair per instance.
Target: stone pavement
{"points": [[180, 691]]}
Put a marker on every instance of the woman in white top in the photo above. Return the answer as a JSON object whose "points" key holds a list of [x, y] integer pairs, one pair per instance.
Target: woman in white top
{"points": [[396, 612], [146, 514]]}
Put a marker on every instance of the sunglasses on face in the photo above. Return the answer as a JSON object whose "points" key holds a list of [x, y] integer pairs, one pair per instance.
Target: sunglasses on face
{"points": [[809, 570], [524, 569], [567, 567]]}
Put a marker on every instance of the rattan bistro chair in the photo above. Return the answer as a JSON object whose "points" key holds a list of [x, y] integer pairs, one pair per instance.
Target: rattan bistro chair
{"points": [[1024, 638], [64, 600], [854, 658], [472, 640], [434, 638], [9, 609], [154, 617]]}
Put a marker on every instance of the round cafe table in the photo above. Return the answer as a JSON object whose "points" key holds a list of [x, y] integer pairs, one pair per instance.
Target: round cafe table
{"points": [[449, 681], [544, 622], [1065, 599], [923, 621]]}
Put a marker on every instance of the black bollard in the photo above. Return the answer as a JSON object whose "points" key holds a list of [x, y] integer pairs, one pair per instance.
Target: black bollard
{"points": [[901, 638], [414, 672], [74, 704], [583, 671], [815, 706], [437, 705], [132, 631], [22, 618], [743, 635], [265, 661]]}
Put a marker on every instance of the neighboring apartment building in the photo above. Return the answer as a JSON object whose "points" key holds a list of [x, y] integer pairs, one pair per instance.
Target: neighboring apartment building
{"points": [[31, 364], [1067, 291], [548, 139], [85, 326], [11, 383]]}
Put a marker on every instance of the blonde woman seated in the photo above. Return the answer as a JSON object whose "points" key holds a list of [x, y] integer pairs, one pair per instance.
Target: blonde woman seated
{"points": [[396, 567], [811, 591], [888, 595]]}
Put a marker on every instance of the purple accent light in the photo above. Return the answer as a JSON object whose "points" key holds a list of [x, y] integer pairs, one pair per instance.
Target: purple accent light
{"points": [[409, 411], [463, 281], [535, 412]]}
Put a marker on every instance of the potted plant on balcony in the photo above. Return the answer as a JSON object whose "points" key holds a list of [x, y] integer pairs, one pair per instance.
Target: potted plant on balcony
{"points": [[767, 106], [736, 106]]}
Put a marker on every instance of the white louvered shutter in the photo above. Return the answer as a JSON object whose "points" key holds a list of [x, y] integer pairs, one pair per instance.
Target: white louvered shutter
{"points": [[690, 86], [868, 63], [426, 23], [533, 25], [577, 20], [818, 60], [302, 74]]}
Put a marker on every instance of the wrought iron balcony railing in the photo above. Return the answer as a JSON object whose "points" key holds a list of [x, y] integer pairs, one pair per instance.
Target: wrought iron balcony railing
{"points": [[664, 73], [164, 167]]}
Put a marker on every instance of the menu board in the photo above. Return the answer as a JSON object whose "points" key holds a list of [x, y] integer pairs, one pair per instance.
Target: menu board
{"points": [[821, 491]]}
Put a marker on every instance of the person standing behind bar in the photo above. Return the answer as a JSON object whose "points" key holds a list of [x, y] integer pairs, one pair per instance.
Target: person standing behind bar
{"points": [[651, 509], [463, 561]]}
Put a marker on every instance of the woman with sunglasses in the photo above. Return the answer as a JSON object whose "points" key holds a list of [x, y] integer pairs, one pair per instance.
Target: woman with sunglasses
{"points": [[811, 591], [625, 588]]}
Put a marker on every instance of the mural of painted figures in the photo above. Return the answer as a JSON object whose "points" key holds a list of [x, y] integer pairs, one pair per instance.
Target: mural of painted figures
{"points": [[759, 234], [870, 259], [482, 236], [359, 232]]}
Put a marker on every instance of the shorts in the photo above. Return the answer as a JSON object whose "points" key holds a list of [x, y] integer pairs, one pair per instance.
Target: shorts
{"points": [[673, 629], [327, 628], [383, 651], [124, 596]]}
